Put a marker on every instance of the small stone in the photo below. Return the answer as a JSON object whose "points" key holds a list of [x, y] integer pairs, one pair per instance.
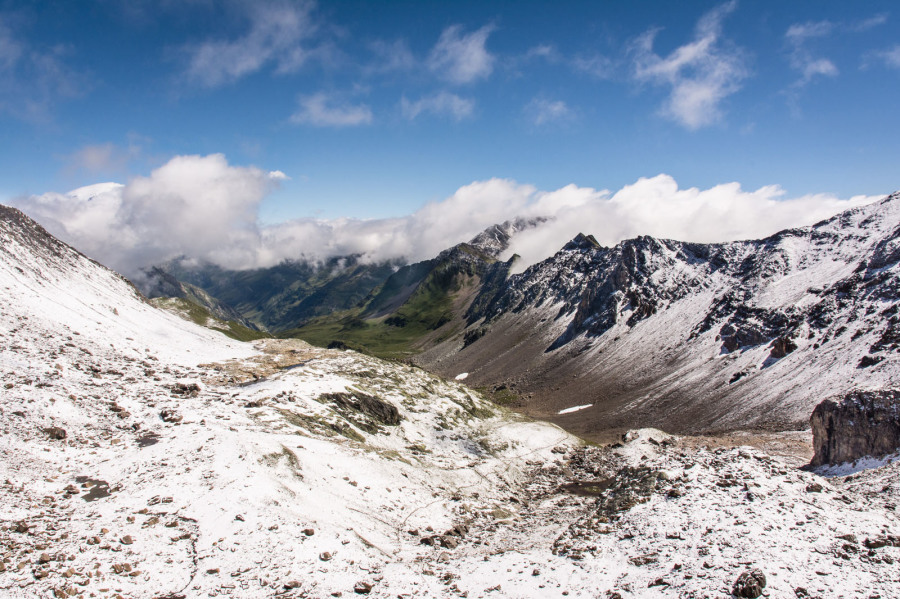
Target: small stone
{"points": [[293, 584], [535, 572], [750, 584], [212, 571], [44, 558], [813, 488], [325, 556], [309, 532], [127, 540], [56, 433], [449, 542], [362, 588]]}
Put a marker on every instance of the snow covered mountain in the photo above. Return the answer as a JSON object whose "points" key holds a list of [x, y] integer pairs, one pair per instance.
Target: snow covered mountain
{"points": [[692, 337], [144, 456]]}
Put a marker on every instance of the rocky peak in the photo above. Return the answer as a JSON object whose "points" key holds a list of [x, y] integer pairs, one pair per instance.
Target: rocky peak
{"points": [[582, 242]]}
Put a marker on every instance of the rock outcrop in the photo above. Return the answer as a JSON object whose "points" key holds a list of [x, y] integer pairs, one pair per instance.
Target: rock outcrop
{"points": [[855, 425]]}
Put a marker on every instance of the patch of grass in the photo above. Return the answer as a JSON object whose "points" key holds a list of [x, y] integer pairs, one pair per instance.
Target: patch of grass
{"points": [[188, 310], [502, 396], [392, 337]]}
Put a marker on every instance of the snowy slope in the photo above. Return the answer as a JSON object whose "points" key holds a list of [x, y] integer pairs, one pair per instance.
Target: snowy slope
{"points": [[168, 461], [693, 337]]}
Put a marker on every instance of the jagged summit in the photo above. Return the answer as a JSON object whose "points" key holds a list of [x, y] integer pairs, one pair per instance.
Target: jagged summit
{"points": [[582, 242]]}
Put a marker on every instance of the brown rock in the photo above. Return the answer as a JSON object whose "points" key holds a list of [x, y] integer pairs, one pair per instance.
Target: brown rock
{"points": [[750, 584], [362, 588], [56, 433]]}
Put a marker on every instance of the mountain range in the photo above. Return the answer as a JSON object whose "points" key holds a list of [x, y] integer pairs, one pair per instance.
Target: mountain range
{"points": [[693, 338], [143, 455]]}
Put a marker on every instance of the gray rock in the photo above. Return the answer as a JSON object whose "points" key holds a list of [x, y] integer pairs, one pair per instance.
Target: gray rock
{"points": [[750, 584], [854, 425]]}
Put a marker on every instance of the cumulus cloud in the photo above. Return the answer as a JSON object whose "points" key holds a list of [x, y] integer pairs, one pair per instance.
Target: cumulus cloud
{"points": [[656, 206], [198, 206], [276, 34], [206, 209], [701, 74], [462, 58], [441, 104], [33, 79], [325, 110]]}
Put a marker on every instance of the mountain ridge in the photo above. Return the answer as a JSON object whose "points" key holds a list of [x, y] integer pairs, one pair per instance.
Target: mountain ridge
{"points": [[753, 303]]}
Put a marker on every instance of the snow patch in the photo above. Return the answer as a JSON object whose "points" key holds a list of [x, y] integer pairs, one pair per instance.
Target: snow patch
{"points": [[575, 409]]}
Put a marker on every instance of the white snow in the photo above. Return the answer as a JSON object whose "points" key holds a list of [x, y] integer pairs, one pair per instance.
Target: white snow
{"points": [[575, 409], [461, 376], [213, 491]]}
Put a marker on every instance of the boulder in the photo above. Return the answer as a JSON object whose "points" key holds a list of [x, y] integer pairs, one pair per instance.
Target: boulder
{"points": [[854, 425], [750, 584]]}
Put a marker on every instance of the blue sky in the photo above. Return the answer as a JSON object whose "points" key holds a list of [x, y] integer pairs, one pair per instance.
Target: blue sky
{"points": [[373, 109]]}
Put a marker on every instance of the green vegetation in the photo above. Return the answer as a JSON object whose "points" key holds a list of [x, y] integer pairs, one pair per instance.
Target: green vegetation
{"points": [[502, 396], [199, 315], [428, 308]]}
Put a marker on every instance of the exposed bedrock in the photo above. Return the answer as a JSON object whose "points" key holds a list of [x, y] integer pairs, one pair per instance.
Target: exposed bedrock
{"points": [[854, 425]]}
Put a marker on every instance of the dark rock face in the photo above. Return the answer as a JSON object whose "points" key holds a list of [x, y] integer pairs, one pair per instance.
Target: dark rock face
{"points": [[749, 584], [854, 425], [379, 410]]}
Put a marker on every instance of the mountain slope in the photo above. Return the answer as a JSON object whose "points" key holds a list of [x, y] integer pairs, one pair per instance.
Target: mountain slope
{"points": [[286, 295], [692, 337], [422, 303], [144, 456]]}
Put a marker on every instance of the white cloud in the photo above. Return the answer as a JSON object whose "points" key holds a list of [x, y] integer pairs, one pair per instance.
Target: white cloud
{"points": [[204, 208], [701, 74], [871, 22], [656, 206], [801, 58], [391, 57], [597, 65], [324, 110], [276, 35], [800, 32], [547, 52], [199, 206], [542, 111], [443, 103], [890, 57], [462, 58]]}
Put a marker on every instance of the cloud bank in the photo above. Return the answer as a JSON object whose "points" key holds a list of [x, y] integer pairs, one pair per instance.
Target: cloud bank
{"points": [[204, 208]]}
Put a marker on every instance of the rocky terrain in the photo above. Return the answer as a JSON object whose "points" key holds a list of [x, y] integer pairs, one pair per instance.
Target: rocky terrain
{"points": [[690, 337], [145, 456]]}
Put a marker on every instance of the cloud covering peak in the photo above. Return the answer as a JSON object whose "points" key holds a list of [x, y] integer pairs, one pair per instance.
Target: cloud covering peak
{"points": [[204, 208]]}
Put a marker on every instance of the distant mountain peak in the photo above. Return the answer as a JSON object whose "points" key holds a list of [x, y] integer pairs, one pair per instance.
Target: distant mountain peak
{"points": [[582, 242]]}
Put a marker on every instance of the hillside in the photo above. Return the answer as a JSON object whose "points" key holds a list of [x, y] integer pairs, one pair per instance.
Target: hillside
{"points": [[145, 456], [691, 337]]}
